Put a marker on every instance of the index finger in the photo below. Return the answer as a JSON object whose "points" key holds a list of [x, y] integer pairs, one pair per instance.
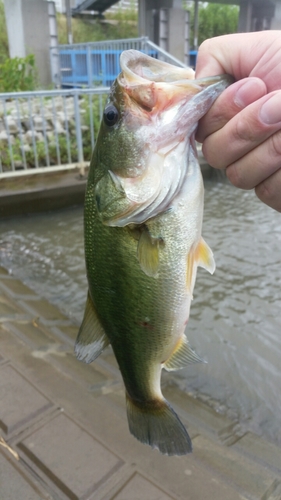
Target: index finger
{"points": [[241, 55], [228, 104]]}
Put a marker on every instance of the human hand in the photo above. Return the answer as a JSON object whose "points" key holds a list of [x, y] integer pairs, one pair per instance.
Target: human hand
{"points": [[242, 131]]}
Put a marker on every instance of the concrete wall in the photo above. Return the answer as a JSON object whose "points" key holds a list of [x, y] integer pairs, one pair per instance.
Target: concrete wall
{"points": [[259, 15], [15, 29], [29, 33], [276, 21], [170, 34]]}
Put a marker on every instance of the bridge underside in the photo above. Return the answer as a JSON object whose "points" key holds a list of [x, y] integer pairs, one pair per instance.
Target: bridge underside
{"points": [[254, 15]]}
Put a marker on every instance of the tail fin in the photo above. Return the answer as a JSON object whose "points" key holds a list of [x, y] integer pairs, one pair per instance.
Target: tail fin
{"points": [[155, 423]]}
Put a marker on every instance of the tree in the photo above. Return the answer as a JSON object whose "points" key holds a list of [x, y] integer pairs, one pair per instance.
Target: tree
{"points": [[4, 45], [214, 20]]}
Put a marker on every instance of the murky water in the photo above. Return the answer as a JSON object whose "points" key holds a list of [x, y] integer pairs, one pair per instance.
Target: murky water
{"points": [[235, 319]]}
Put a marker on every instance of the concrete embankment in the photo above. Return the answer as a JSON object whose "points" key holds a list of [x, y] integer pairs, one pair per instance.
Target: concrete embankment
{"points": [[64, 432], [52, 188], [34, 191]]}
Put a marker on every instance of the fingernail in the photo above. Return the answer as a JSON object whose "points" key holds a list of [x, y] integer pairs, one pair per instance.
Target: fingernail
{"points": [[249, 92], [270, 112]]}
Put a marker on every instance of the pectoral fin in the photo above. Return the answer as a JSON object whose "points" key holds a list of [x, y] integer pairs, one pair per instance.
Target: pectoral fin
{"points": [[148, 253], [91, 339], [204, 256], [182, 356]]}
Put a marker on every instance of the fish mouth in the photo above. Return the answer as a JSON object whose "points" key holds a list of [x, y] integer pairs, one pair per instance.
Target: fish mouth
{"points": [[156, 85], [165, 97]]}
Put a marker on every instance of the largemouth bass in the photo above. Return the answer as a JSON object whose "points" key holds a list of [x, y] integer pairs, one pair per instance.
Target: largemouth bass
{"points": [[143, 219]]}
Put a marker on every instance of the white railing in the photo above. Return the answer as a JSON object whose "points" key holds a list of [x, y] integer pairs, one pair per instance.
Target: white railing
{"points": [[48, 128]]}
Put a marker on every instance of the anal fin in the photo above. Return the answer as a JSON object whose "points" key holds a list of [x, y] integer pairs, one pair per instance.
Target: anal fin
{"points": [[91, 339], [204, 256], [182, 356]]}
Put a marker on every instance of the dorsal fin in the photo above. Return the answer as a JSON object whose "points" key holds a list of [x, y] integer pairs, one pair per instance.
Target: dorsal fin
{"points": [[91, 339], [182, 356]]}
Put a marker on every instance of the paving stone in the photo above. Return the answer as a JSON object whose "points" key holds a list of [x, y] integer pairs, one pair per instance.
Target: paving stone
{"points": [[6, 309], [83, 462], [274, 492], [17, 288], [260, 450], [20, 401], [31, 333], [66, 361], [66, 456], [14, 485], [247, 475], [139, 488], [44, 310], [3, 272], [68, 333]]}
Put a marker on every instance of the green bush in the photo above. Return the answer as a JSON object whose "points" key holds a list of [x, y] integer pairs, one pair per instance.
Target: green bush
{"points": [[18, 74], [90, 118], [214, 20], [4, 46]]}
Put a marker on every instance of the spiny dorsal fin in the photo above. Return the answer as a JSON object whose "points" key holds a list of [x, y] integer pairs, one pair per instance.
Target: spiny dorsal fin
{"points": [[204, 256], [91, 339], [182, 356], [148, 253]]}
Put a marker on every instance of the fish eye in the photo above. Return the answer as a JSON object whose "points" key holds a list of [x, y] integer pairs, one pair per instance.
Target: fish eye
{"points": [[110, 115]]}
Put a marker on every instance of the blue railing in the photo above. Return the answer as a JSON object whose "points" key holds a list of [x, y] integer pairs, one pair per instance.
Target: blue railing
{"points": [[97, 63], [90, 68]]}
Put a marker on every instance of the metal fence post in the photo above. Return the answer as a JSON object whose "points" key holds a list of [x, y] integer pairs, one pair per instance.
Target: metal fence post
{"points": [[45, 129], [78, 128]]}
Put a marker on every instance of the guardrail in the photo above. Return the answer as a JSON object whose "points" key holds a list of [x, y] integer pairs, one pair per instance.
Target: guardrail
{"points": [[48, 128], [97, 63]]}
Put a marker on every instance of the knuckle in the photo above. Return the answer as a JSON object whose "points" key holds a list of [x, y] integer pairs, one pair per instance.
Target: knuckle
{"points": [[275, 145], [269, 191], [245, 131], [210, 153], [233, 173], [264, 191]]}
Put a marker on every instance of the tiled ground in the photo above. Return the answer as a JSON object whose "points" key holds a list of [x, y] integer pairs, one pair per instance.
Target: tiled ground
{"points": [[66, 423]]}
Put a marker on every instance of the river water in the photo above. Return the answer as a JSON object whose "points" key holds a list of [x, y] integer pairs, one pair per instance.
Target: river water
{"points": [[235, 321]]}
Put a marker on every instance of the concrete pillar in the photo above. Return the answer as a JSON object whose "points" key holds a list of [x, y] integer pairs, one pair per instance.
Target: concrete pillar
{"points": [[15, 28], [176, 33], [257, 15], [170, 12], [262, 15], [276, 20], [245, 16], [29, 33]]}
